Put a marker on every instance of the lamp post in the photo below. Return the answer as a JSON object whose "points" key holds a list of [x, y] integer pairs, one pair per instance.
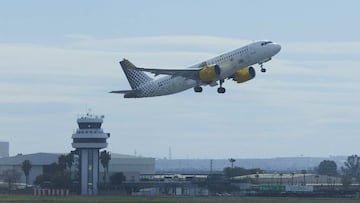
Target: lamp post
{"points": [[304, 172], [232, 162], [272, 178], [317, 179], [292, 178]]}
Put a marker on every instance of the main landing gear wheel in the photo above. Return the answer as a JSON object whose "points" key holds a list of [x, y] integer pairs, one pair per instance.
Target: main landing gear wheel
{"points": [[262, 69], [221, 90], [198, 89]]}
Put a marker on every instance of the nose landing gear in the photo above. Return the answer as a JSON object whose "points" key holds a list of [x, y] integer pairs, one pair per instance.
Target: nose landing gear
{"points": [[263, 70]]}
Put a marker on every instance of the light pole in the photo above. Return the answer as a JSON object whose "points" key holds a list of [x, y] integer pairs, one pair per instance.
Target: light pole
{"points": [[304, 172], [317, 179], [232, 162], [272, 178], [292, 178]]}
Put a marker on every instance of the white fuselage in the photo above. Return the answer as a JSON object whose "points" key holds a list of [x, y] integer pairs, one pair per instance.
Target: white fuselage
{"points": [[229, 63]]}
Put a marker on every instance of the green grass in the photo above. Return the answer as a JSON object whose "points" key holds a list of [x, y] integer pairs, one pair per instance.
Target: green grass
{"points": [[123, 199]]}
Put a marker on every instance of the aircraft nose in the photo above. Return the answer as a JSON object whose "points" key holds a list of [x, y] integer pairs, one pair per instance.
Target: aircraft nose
{"points": [[277, 48]]}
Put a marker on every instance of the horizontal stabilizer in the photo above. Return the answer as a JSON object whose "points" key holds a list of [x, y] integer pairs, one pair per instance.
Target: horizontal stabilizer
{"points": [[124, 91], [127, 93]]}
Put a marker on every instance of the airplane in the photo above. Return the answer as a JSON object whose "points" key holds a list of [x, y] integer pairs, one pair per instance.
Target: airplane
{"points": [[235, 65]]}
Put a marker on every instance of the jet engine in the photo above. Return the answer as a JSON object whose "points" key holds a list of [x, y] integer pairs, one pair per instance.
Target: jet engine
{"points": [[244, 74], [209, 73]]}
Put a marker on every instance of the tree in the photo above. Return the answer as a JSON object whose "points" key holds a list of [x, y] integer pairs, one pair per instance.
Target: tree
{"points": [[238, 171], [117, 178], [69, 161], [51, 169], [346, 180], [105, 157], [41, 178], [232, 162], [26, 167], [62, 163], [56, 173], [327, 167], [352, 167]]}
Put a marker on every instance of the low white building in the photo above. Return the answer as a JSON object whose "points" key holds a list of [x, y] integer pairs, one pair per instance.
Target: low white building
{"points": [[290, 179], [131, 166]]}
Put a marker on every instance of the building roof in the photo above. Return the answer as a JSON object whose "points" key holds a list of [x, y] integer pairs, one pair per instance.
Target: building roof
{"points": [[35, 159], [48, 158], [123, 156], [273, 175]]}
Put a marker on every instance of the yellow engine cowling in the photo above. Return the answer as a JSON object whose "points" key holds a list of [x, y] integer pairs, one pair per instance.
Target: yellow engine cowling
{"points": [[209, 73], [244, 74]]}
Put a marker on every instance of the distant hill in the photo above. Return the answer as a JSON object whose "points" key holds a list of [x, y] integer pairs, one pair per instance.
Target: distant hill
{"points": [[272, 164]]}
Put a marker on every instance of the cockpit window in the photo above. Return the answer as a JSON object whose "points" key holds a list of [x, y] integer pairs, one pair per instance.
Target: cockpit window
{"points": [[265, 43]]}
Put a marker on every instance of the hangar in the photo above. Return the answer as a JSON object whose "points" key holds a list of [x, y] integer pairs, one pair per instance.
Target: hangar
{"points": [[131, 166]]}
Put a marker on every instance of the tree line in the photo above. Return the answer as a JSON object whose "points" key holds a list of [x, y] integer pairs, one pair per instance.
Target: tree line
{"points": [[349, 173], [60, 173]]}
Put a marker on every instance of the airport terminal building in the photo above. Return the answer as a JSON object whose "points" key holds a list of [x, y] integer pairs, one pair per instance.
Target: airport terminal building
{"points": [[4, 149], [131, 166]]}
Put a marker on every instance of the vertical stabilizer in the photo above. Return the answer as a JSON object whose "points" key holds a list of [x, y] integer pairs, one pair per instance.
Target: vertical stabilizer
{"points": [[135, 77]]}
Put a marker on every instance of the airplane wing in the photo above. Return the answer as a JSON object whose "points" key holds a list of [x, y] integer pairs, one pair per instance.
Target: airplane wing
{"points": [[191, 73], [205, 73]]}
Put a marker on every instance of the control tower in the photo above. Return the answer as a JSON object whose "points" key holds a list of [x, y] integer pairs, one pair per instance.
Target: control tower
{"points": [[88, 139]]}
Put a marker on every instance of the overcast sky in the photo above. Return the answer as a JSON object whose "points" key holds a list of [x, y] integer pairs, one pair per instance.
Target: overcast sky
{"points": [[60, 58]]}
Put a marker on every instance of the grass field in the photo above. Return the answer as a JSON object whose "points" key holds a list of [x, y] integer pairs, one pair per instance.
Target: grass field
{"points": [[122, 199]]}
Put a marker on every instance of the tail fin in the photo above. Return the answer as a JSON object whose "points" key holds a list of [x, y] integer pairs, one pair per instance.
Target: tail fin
{"points": [[135, 77]]}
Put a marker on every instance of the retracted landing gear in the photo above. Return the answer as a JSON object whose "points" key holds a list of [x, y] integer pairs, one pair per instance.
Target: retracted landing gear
{"points": [[221, 90], [262, 69], [198, 89]]}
